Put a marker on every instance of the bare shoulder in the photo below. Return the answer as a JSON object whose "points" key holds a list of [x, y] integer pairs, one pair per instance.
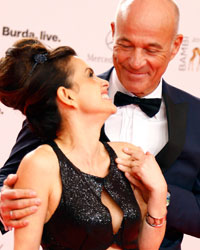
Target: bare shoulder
{"points": [[41, 161], [119, 146]]}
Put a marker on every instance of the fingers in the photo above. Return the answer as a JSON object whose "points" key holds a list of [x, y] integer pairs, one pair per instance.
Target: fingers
{"points": [[128, 165], [142, 166], [16, 224], [133, 180], [16, 218], [20, 204], [135, 153], [124, 166], [134, 156], [17, 204], [10, 180], [11, 194], [19, 214]]}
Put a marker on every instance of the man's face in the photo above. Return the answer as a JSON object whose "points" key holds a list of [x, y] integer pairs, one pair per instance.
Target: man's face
{"points": [[143, 47]]}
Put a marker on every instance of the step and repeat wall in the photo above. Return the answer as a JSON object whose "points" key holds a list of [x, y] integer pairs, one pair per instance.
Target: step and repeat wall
{"points": [[85, 26]]}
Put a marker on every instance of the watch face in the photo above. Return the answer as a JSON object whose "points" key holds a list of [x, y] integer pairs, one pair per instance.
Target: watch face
{"points": [[168, 199]]}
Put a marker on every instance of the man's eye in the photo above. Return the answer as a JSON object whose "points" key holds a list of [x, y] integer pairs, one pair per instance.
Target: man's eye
{"points": [[126, 46], [152, 51], [91, 74]]}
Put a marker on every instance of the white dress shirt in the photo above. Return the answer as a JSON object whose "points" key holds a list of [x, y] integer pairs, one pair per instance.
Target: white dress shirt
{"points": [[131, 124]]}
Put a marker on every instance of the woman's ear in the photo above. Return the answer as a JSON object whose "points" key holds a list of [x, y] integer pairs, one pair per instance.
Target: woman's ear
{"points": [[67, 96]]}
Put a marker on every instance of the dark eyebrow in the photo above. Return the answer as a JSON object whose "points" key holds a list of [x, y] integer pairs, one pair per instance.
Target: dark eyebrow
{"points": [[89, 69]]}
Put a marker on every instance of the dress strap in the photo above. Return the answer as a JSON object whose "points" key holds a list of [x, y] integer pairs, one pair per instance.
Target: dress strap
{"points": [[110, 151], [57, 150]]}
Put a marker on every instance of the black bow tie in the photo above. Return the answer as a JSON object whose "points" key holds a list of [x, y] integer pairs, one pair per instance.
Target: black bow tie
{"points": [[148, 106]]}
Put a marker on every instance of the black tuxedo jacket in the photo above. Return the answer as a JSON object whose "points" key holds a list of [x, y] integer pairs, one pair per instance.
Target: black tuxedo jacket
{"points": [[179, 161]]}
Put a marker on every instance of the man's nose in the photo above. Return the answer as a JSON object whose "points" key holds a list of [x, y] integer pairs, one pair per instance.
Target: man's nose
{"points": [[137, 59]]}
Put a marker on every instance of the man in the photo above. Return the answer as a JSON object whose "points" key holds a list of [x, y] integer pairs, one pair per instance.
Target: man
{"points": [[145, 41]]}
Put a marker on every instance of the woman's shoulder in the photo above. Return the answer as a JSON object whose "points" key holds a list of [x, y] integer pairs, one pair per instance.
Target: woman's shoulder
{"points": [[42, 159]]}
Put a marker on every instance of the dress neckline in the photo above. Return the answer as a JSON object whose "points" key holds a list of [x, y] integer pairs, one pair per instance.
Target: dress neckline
{"points": [[111, 154]]}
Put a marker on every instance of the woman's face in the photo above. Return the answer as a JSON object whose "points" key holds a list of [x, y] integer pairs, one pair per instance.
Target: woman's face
{"points": [[92, 91]]}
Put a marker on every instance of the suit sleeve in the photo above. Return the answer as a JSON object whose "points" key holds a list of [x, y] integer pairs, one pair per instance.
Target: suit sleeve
{"points": [[184, 209], [26, 142]]}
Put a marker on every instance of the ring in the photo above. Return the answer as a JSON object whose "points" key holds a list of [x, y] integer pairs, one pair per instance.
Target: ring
{"points": [[11, 213]]}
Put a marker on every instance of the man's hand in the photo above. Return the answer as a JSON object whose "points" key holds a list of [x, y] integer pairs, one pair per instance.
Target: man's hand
{"points": [[16, 204]]}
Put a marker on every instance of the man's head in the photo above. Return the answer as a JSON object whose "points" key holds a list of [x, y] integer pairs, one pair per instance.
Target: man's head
{"points": [[145, 40]]}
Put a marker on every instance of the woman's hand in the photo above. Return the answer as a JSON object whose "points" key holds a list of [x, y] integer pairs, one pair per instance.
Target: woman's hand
{"points": [[142, 170]]}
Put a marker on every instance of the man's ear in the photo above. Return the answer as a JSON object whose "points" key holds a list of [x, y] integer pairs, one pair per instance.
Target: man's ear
{"points": [[176, 45], [113, 28], [66, 96]]}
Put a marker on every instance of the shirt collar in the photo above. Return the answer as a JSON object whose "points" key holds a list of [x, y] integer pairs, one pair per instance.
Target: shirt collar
{"points": [[115, 85]]}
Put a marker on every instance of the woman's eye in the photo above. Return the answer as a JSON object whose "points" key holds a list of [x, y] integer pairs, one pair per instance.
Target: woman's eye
{"points": [[91, 74]]}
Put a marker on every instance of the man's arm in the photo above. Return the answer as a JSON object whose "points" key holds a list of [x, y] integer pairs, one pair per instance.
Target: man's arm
{"points": [[26, 142], [184, 209], [20, 202]]}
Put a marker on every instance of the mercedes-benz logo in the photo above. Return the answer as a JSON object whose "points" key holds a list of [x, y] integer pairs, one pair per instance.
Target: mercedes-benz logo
{"points": [[109, 40]]}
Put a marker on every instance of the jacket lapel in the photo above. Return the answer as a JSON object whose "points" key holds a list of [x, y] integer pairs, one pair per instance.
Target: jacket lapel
{"points": [[177, 117]]}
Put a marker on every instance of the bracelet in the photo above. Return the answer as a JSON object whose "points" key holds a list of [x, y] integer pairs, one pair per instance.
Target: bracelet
{"points": [[155, 222]]}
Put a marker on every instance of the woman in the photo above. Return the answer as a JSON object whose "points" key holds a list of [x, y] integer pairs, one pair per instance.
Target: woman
{"points": [[87, 202]]}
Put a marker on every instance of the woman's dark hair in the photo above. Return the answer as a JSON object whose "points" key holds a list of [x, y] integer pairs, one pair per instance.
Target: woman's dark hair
{"points": [[30, 75]]}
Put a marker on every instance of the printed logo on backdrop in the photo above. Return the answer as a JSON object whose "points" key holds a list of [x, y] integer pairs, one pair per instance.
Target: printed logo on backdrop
{"points": [[194, 62], [102, 59], [43, 35], [109, 40], [190, 54]]}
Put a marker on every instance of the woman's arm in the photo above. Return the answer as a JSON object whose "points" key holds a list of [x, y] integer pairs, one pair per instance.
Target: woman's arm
{"points": [[149, 187], [12, 199], [35, 172], [153, 215]]}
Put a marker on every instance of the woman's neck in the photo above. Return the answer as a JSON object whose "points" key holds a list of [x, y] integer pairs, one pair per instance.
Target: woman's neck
{"points": [[80, 143]]}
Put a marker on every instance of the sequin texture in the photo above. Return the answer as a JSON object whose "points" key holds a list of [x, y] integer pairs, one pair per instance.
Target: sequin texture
{"points": [[81, 221]]}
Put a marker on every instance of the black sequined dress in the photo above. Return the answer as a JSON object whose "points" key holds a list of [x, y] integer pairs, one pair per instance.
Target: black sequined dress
{"points": [[81, 221]]}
